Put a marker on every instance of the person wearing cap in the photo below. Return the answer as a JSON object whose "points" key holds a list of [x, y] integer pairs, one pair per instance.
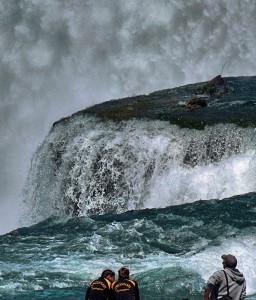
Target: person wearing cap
{"points": [[100, 289], [228, 283], [125, 288]]}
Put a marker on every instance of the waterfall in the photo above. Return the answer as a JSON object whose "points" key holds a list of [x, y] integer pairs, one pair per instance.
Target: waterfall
{"points": [[58, 57], [85, 166]]}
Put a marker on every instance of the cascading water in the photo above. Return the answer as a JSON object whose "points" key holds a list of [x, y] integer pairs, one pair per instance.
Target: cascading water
{"points": [[59, 57], [110, 193], [92, 167]]}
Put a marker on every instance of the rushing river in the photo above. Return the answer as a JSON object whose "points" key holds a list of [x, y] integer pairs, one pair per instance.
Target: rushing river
{"points": [[163, 200]]}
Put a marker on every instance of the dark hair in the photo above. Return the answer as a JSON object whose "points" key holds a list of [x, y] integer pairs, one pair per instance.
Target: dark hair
{"points": [[230, 260], [107, 272], [123, 273]]}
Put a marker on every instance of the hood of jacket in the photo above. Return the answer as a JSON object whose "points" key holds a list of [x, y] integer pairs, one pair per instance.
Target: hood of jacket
{"points": [[235, 275]]}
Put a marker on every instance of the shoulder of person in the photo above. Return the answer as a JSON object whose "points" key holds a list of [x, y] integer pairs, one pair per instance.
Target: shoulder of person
{"points": [[134, 282], [219, 273], [108, 282], [216, 277], [101, 279]]}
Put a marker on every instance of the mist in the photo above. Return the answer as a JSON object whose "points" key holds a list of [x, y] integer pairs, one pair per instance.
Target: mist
{"points": [[58, 57]]}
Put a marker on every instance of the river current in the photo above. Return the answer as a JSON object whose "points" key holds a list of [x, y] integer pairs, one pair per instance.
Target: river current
{"points": [[165, 201]]}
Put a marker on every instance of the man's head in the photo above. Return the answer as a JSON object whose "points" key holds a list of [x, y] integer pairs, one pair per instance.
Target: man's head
{"points": [[229, 260], [108, 274], [123, 273]]}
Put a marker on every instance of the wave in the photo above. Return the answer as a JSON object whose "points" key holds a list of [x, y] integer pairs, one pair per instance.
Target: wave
{"points": [[180, 244]]}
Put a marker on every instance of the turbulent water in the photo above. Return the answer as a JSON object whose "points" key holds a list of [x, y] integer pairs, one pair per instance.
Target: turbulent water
{"points": [[170, 251], [165, 201], [103, 194], [89, 166]]}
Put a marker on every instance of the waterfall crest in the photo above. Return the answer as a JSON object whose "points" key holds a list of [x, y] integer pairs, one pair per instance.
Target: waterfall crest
{"points": [[87, 166]]}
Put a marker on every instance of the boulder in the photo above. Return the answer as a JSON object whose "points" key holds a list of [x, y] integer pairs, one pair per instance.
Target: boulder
{"points": [[195, 102]]}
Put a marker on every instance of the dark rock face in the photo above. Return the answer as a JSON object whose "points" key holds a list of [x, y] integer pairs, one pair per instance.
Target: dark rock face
{"points": [[102, 159], [218, 80], [220, 100], [213, 87], [195, 102]]}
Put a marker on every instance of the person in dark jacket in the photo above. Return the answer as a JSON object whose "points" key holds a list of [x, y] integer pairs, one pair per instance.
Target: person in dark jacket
{"points": [[229, 282], [100, 289], [125, 288]]}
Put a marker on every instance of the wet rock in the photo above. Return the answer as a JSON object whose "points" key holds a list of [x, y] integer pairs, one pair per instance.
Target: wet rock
{"points": [[236, 96], [195, 102], [213, 87], [218, 80], [222, 90]]}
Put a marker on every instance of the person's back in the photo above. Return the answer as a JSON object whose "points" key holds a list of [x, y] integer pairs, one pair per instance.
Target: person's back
{"points": [[125, 288], [229, 281], [100, 289]]}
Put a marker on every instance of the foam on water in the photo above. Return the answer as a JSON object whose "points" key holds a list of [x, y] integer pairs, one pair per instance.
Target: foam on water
{"points": [[74, 270], [179, 244], [244, 248]]}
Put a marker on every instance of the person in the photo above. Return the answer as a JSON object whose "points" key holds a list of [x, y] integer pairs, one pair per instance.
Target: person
{"points": [[228, 282], [125, 288], [100, 289]]}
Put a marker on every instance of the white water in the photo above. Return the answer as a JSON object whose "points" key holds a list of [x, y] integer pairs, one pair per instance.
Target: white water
{"points": [[72, 267], [58, 57], [243, 248], [108, 166]]}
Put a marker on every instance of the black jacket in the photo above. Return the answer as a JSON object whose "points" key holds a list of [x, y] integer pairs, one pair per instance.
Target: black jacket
{"points": [[126, 289], [99, 289]]}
